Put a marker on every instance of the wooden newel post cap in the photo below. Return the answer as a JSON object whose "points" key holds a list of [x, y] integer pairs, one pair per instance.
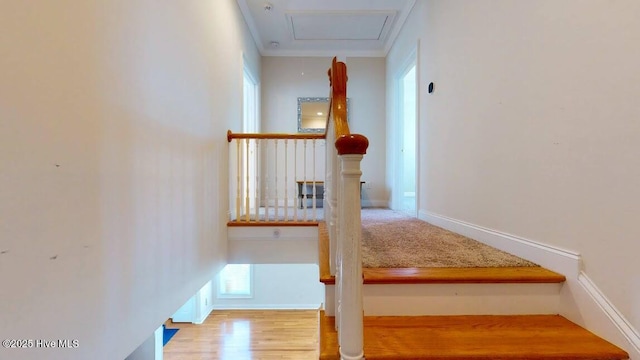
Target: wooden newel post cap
{"points": [[352, 144]]}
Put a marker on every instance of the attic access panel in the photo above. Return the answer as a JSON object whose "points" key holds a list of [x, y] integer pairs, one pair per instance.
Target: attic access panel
{"points": [[352, 25]]}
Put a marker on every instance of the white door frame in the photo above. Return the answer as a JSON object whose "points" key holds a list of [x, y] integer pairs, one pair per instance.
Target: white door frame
{"points": [[411, 60]]}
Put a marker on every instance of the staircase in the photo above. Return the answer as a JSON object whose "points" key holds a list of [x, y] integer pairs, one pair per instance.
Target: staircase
{"points": [[505, 313], [461, 314]]}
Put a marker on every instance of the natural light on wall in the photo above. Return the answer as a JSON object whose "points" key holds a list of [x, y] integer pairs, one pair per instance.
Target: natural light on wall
{"points": [[235, 281]]}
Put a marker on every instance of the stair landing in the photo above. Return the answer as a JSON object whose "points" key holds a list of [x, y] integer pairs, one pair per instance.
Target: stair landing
{"points": [[522, 337]]}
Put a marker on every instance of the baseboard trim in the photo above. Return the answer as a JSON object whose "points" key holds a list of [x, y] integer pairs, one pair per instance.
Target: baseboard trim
{"points": [[374, 203], [553, 258], [624, 327], [267, 307], [204, 315]]}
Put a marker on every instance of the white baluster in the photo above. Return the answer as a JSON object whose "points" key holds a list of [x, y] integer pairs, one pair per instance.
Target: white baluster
{"points": [[238, 188], [314, 196], [295, 176], [257, 185], [332, 199], [266, 182], [304, 179], [286, 178], [275, 185], [247, 158]]}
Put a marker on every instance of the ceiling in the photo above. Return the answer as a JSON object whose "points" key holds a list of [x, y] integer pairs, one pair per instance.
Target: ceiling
{"points": [[325, 27]]}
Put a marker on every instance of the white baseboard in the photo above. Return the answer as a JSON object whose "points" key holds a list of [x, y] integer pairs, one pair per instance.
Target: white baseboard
{"points": [[581, 300], [267, 307], [204, 315], [595, 304], [374, 203], [553, 258]]}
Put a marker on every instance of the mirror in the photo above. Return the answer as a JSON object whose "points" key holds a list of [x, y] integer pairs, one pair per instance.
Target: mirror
{"points": [[312, 114]]}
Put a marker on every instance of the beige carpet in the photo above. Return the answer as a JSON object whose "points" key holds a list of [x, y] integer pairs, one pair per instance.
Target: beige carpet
{"points": [[392, 239]]}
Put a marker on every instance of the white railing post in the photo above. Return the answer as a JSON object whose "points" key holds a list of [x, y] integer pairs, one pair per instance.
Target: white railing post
{"points": [[351, 308], [351, 149]]}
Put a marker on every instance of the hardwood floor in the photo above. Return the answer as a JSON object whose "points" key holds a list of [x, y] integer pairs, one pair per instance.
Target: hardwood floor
{"points": [[247, 335]]}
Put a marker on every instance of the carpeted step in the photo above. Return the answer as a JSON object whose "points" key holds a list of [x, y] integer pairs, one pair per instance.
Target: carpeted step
{"points": [[448, 291], [522, 337], [438, 275]]}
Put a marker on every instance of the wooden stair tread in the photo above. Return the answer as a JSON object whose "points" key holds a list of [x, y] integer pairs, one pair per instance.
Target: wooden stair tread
{"points": [[523, 337], [271, 223], [436, 275]]}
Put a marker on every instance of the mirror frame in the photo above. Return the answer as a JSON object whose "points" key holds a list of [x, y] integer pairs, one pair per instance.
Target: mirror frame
{"points": [[302, 100]]}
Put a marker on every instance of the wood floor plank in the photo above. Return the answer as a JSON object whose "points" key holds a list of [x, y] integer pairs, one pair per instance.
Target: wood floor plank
{"points": [[524, 337], [247, 335]]}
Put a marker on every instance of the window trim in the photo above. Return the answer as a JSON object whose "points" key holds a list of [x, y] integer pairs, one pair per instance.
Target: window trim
{"points": [[223, 295]]}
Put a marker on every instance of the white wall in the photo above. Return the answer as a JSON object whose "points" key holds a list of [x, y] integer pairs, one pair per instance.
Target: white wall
{"points": [[113, 160], [150, 349], [280, 286], [532, 129], [284, 79], [366, 89]]}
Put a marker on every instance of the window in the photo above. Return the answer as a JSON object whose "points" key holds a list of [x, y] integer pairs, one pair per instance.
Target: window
{"points": [[235, 281]]}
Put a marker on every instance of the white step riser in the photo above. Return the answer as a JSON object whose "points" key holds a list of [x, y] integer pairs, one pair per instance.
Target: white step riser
{"points": [[455, 299]]}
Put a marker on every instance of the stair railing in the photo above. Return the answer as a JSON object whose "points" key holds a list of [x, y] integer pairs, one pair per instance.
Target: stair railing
{"points": [[275, 177], [343, 216]]}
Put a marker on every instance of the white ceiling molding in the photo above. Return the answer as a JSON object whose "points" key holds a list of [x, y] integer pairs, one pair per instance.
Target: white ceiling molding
{"points": [[325, 28]]}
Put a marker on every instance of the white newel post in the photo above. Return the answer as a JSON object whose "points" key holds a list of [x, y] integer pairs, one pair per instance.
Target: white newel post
{"points": [[351, 150]]}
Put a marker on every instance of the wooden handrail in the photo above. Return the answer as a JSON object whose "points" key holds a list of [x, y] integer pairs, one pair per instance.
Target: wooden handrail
{"points": [[231, 136], [338, 83], [346, 142]]}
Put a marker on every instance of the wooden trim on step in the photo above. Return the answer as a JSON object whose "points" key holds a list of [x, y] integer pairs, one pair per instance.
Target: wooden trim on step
{"points": [[461, 275], [272, 223], [329, 348], [323, 254], [467, 337]]}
